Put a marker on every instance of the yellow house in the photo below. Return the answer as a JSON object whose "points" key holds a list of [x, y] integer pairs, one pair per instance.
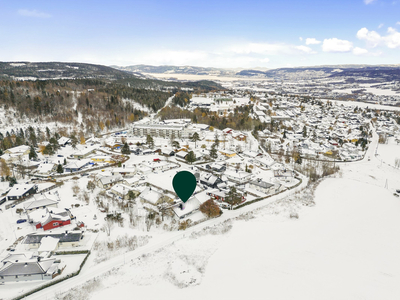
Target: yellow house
{"points": [[102, 159], [227, 153]]}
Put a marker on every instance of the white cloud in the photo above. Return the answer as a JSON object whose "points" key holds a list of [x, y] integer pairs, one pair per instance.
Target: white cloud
{"points": [[305, 49], [369, 1], [372, 37], [398, 23], [336, 45], [391, 40], [312, 41], [380, 25], [359, 51], [33, 13], [300, 38]]}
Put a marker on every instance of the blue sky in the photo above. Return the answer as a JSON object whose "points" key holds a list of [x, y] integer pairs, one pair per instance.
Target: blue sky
{"points": [[218, 33]]}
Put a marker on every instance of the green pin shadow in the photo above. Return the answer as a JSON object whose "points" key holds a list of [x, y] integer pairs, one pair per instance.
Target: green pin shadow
{"points": [[184, 184]]}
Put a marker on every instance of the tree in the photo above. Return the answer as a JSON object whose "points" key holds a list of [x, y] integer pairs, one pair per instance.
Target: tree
{"points": [[131, 195], [74, 141], [210, 208], [213, 152], [54, 143], [195, 138], [76, 189], [60, 169], [191, 157], [216, 140], [150, 141], [304, 131], [176, 145], [150, 220], [108, 225], [48, 149], [32, 153], [90, 186], [125, 149], [82, 139], [5, 169], [233, 197]]}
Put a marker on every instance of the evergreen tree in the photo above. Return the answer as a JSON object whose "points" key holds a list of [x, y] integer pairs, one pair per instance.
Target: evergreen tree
{"points": [[150, 141], [74, 141], [60, 169], [195, 138], [213, 152], [125, 149], [304, 131], [233, 197], [191, 157], [32, 153]]}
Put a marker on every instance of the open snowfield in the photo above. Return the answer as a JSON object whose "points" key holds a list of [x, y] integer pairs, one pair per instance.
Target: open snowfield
{"points": [[344, 247]]}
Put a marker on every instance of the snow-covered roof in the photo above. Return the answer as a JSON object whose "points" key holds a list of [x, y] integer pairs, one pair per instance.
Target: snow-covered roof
{"points": [[188, 207], [48, 244], [19, 189]]}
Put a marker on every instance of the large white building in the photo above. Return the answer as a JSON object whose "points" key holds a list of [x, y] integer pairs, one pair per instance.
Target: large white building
{"points": [[163, 130]]}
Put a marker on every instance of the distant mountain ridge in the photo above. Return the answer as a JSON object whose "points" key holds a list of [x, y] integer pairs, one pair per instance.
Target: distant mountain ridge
{"points": [[387, 72], [177, 70], [60, 70]]}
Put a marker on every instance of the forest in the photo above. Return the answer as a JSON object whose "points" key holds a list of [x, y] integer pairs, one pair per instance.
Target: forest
{"points": [[98, 103]]}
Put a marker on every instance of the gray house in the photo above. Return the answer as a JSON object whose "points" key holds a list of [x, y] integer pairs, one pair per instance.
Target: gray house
{"points": [[261, 186], [17, 267]]}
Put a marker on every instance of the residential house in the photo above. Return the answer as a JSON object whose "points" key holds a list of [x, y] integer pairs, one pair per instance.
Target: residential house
{"points": [[238, 176], [185, 209], [227, 153], [261, 186], [106, 182], [21, 191], [122, 191], [18, 267], [153, 197], [41, 201], [76, 165], [63, 141], [67, 239]]}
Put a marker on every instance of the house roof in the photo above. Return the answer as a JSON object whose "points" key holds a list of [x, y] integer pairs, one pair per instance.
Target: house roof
{"points": [[39, 203], [19, 189], [26, 267], [262, 184], [151, 196], [48, 244], [189, 206], [36, 238]]}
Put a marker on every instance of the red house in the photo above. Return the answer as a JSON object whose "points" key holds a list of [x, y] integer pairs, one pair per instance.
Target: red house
{"points": [[53, 221]]}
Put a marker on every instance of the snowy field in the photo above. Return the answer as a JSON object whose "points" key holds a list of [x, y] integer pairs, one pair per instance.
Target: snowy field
{"points": [[347, 240], [389, 152], [344, 247]]}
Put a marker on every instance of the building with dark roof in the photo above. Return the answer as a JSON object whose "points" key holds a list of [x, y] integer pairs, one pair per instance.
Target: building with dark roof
{"points": [[17, 267], [67, 239]]}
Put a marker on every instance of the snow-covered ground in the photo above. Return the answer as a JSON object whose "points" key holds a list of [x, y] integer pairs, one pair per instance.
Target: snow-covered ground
{"points": [[344, 247]]}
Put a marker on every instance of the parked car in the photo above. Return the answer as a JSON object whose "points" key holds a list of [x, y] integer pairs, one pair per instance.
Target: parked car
{"points": [[21, 221]]}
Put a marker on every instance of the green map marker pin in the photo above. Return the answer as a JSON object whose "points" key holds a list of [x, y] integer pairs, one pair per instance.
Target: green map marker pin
{"points": [[184, 184]]}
